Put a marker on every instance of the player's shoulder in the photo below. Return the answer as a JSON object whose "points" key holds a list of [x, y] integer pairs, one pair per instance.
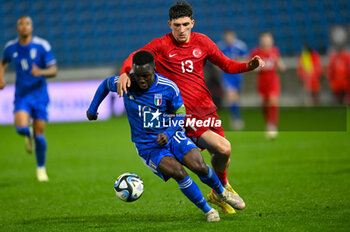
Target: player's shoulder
{"points": [[240, 44], [275, 49], [113, 78], [256, 50], [11, 43], [202, 40], [162, 40], [112, 82], [201, 37], [167, 84], [41, 42]]}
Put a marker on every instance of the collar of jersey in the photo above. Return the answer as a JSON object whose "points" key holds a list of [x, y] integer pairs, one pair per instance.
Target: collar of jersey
{"points": [[23, 46]]}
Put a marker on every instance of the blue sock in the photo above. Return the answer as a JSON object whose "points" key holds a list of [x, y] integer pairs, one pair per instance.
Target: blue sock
{"points": [[212, 180], [23, 130], [192, 192], [40, 150], [235, 110]]}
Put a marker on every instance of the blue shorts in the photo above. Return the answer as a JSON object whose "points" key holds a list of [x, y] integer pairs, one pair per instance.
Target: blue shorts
{"points": [[232, 81], [177, 147], [35, 110]]}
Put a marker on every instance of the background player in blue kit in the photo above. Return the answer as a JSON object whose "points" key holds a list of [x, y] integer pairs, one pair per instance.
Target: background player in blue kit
{"points": [[33, 61], [164, 149], [237, 50]]}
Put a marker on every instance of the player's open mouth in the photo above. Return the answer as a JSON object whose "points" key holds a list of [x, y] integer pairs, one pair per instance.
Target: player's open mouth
{"points": [[143, 85]]}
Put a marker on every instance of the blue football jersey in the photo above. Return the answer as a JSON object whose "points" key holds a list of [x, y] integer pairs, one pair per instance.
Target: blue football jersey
{"points": [[235, 51], [39, 52], [149, 112]]}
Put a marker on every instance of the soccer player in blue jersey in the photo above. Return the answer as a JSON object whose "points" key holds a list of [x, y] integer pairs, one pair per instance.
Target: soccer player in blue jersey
{"points": [[235, 49], [33, 61], [160, 139]]}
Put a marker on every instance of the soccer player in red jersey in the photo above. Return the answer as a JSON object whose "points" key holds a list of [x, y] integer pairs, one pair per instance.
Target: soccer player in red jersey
{"points": [[339, 75], [180, 55], [310, 71], [268, 81]]}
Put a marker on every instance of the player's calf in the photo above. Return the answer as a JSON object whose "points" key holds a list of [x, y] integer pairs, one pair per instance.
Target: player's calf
{"points": [[193, 160]]}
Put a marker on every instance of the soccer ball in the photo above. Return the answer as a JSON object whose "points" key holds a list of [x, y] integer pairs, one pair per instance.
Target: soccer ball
{"points": [[128, 187]]}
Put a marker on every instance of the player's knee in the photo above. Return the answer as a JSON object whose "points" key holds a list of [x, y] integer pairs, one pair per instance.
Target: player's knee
{"points": [[201, 169], [224, 148], [179, 173], [38, 131]]}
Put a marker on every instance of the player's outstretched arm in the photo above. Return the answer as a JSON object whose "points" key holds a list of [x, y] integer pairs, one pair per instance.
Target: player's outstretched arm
{"points": [[101, 92], [51, 71]]}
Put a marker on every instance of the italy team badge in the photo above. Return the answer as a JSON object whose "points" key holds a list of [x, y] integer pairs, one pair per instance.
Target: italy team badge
{"points": [[33, 53], [157, 99]]}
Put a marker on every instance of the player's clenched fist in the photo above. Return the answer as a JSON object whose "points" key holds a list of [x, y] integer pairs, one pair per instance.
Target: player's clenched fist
{"points": [[255, 62], [162, 139], [35, 71], [91, 117]]}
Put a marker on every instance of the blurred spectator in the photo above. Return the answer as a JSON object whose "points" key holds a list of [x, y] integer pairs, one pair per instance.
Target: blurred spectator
{"points": [[237, 50], [309, 71], [268, 81], [339, 66]]}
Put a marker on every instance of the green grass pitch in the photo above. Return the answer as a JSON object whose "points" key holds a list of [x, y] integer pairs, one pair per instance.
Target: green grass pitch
{"points": [[299, 182]]}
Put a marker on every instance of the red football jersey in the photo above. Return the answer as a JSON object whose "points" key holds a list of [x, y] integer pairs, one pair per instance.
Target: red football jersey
{"points": [[309, 70], [270, 58], [183, 63], [339, 70], [268, 79]]}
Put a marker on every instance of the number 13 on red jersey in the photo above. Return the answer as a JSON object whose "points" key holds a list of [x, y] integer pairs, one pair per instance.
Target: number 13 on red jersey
{"points": [[187, 66]]}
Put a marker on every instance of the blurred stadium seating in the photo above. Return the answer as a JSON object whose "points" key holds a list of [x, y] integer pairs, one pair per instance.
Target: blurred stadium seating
{"points": [[104, 32]]}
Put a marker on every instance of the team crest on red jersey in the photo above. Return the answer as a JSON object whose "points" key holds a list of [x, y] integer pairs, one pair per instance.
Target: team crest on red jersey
{"points": [[197, 53], [158, 99]]}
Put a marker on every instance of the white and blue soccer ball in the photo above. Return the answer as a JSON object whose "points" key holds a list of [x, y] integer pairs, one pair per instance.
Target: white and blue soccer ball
{"points": [[128, 187]]}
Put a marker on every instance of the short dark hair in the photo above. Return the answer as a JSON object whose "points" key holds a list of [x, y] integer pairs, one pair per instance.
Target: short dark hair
{"points": [[143, 57], [180, 9]]}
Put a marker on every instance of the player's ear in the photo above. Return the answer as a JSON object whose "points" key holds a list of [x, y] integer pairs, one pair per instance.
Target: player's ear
{"points": [[169, 23], [192, 23]]}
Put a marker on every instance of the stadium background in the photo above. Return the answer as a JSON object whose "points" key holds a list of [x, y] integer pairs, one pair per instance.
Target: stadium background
{"points": [[92, 38]]}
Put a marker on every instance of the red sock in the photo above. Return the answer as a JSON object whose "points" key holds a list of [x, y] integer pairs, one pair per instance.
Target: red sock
{"points": [[266, 113], [222, 177], [272, 114]]}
